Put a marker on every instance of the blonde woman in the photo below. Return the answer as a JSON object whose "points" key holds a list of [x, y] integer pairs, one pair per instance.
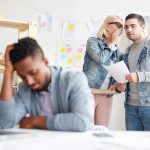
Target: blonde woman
{"points": [[101, 51]]}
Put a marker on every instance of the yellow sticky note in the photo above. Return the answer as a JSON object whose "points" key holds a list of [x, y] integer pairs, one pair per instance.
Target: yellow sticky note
{"points": [[2, 17], [69, 61], [71, 27], [63, 50], [79, 57]]}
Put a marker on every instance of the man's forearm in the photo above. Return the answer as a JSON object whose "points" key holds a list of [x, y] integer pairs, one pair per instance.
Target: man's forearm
{"points": [[7, 89], [38, 122]]}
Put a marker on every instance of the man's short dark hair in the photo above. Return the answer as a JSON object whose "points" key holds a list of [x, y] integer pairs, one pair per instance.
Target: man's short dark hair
{"points": [[138, 17], [25, 47]]}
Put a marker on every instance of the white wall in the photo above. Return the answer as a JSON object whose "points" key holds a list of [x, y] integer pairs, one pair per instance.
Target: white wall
{"points": [[63, 10], [74, 10]]}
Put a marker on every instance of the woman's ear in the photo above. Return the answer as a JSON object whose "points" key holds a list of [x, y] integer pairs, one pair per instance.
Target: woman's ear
{"points": [[106, 27]]}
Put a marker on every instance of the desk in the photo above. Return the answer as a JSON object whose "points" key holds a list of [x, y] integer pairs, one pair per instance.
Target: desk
{"points": [[103, 92], [56, 140]]}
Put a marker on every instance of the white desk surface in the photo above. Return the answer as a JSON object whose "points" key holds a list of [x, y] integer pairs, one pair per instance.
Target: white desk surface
{"points": [[56, 140]]}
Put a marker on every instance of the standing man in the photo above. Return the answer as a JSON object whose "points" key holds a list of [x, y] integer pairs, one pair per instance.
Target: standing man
{"points": [[54, 98], [137, 58]]}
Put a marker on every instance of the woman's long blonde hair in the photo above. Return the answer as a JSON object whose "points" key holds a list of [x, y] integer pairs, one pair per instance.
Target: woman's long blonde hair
{"points": [[102, 31]]}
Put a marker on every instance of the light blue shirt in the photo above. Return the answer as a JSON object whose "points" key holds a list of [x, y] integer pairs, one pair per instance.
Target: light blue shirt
{"points": [[72, 103]]}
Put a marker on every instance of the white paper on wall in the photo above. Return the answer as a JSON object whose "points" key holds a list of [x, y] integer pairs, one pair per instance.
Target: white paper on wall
{"points": [[69, 30], [46, 23]]}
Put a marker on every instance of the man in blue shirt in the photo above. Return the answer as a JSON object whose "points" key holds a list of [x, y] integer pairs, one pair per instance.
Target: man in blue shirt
{"points": [[54, 98]]}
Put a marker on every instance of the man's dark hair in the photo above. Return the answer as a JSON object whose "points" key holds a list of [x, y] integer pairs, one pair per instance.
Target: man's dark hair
{"points": [[139, 18], [25, 47]]}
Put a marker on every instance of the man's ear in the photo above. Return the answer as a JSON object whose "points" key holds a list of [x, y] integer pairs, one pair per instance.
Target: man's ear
{"points": [[46, 62], [143, 27]]}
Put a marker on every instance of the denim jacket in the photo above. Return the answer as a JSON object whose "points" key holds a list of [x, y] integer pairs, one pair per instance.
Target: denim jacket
{"points": [[143, 65], [98, 54]]}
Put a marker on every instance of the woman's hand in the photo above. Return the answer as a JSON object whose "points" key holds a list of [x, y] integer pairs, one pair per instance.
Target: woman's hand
{"points": [[119, 87], [115, 36], [112, 88]]}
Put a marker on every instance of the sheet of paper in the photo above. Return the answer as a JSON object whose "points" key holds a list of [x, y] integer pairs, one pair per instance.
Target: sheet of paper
{"points": [[118, 71], [46, 23], [69, 30]]}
